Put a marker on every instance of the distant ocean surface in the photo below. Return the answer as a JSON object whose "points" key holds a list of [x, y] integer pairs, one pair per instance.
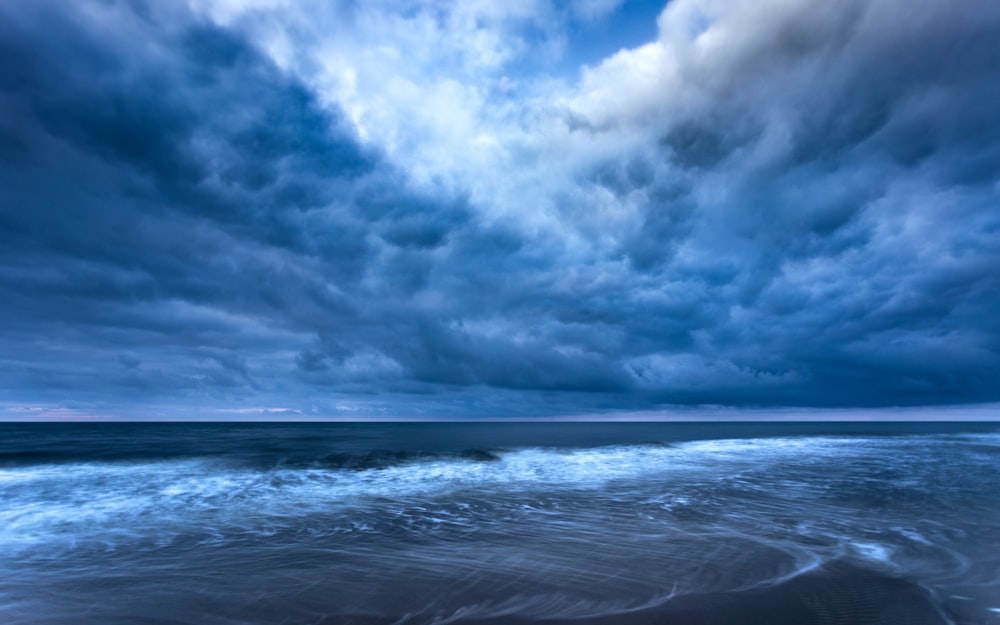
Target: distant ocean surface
{"points": [[434, 523]]}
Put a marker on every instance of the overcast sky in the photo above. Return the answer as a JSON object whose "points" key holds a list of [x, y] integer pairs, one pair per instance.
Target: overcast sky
{"points": [[415, 208]]}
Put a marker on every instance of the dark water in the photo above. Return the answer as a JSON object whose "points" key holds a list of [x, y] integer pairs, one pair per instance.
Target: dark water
{"points": [[116, 524]]}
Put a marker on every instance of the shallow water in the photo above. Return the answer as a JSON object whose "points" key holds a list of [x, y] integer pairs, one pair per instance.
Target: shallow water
{"points": [[444, 523]]}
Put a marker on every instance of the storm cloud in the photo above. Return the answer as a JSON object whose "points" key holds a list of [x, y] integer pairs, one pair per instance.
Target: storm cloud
{"points": [[324, 210]]}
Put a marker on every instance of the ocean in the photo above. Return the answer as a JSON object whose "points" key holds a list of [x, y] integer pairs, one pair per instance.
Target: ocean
{"points": [[434, 523]]}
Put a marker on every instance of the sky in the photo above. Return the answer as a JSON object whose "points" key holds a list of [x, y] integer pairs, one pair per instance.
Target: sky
{"points": [[275, 209]]}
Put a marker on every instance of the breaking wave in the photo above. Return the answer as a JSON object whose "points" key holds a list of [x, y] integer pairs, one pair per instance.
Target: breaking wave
{"points": [[568, 532]]}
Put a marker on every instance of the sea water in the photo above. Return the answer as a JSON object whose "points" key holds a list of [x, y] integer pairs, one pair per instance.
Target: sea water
{"points": [[212, 524]]}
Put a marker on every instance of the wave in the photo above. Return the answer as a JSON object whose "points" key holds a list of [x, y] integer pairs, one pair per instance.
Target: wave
{"points": [[73, 500], [375, 459], [529, 532], [70, 498]]}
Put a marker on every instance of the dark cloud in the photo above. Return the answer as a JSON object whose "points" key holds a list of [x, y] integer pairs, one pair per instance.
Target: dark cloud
{"points": [[172, 192], [183, 221], [836, 168]]}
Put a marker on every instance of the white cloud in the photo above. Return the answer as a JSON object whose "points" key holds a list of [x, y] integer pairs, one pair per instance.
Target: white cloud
{"points": [[757, 84]]}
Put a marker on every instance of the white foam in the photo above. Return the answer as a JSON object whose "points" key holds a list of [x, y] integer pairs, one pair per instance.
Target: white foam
{"points": [[71, 503], [73, 500], [913, 535], [873, 551]]}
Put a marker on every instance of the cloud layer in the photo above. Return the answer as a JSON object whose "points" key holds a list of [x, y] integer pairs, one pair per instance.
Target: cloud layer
{"points": [[418, 208]]}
